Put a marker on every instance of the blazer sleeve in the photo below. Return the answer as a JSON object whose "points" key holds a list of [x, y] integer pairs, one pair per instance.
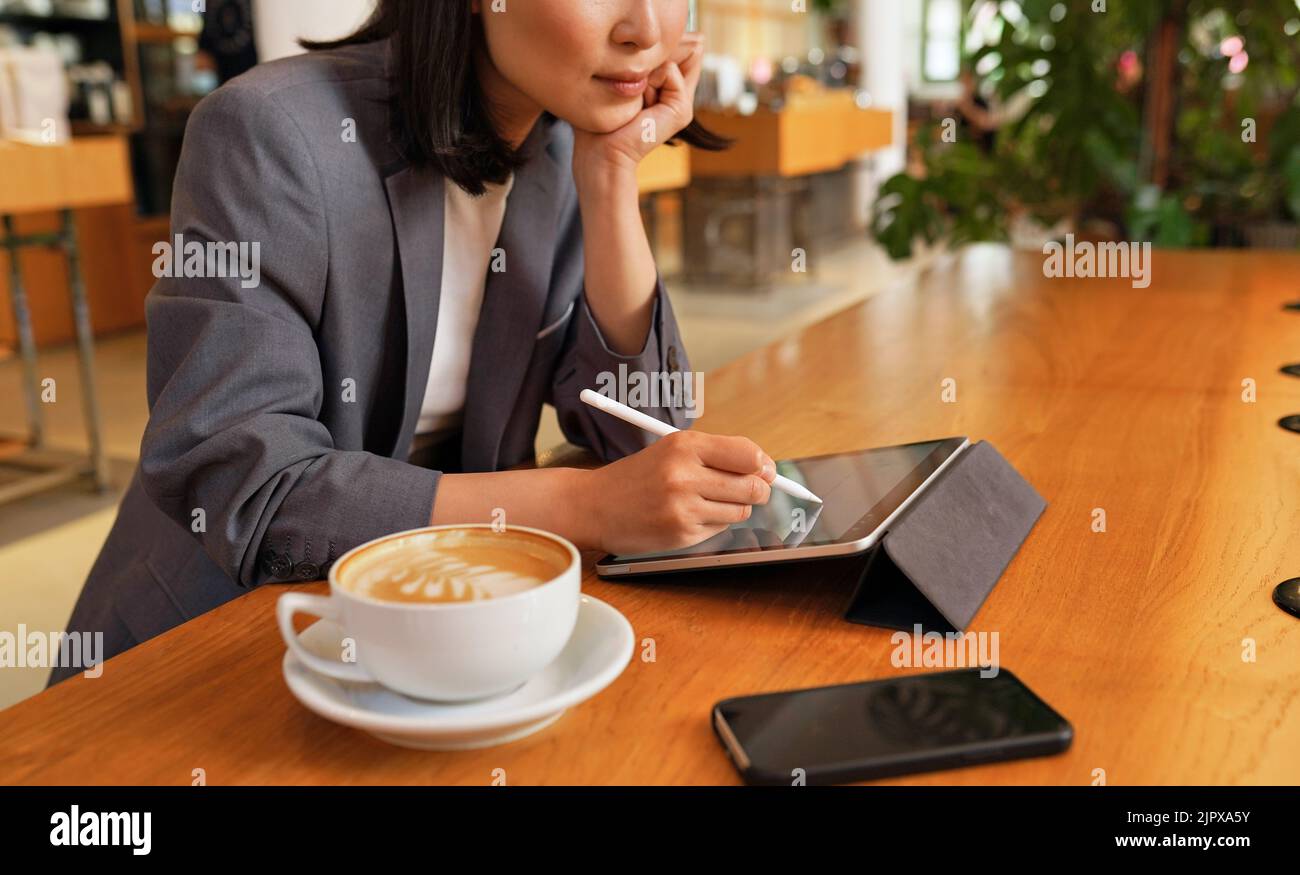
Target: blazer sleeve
{"points": [[587, 362], [234, 375]]}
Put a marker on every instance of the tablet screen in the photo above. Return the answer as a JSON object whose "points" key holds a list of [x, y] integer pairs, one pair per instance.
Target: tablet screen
{"points": [[859, 491]]}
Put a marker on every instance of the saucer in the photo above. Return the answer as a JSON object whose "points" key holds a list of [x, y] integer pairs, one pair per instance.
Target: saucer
{"points": [[597, 652]]}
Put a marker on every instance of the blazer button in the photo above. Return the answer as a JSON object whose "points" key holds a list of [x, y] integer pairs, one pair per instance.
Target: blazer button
{"points": [[268, 561], [281, 567], [672, 359], [306, 571]]}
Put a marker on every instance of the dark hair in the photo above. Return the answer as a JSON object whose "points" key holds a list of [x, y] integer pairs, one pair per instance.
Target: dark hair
{"points": [[441, 114]]}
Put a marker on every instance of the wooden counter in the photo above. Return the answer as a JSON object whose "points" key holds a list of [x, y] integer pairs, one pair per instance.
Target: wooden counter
{"points": [[812, 134], [667, 168], [85, 172], [92, 175]]}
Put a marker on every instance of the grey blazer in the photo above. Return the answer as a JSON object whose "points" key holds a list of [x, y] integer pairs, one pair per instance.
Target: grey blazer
{"points": [[282, 416]]}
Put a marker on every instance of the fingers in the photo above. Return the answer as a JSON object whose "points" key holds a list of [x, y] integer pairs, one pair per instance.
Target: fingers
{"points": [[690, 59], [745, 489], [672, 85], [692, 74], [674, 106], [691, 45], [738, 455], [679, 94], [721, 513], [708, 482]]}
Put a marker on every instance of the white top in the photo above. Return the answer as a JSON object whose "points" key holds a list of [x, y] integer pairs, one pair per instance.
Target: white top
{"points": [[472, 226]]}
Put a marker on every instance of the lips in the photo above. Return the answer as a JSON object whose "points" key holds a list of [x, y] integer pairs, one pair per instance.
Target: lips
{"points": [[625, 85]]}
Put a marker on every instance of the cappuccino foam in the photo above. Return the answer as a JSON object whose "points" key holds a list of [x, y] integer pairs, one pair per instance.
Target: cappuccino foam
{"points": [[453, 565]]}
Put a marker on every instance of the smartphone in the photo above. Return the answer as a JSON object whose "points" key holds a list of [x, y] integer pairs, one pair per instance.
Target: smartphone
{"points": [[877, 729]]}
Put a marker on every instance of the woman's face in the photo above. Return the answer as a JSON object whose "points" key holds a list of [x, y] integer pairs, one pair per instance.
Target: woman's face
{"points": [[584, 61]]}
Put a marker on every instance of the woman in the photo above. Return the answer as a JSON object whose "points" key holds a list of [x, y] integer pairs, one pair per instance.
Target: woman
{"points": [[444, 216]]}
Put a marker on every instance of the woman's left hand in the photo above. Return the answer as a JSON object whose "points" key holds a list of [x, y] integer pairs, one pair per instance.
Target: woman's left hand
{"points": [[669, 108], [620, 272]]}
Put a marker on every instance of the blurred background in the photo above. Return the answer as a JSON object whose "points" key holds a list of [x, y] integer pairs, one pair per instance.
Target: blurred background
{"points": [[873, 137]]}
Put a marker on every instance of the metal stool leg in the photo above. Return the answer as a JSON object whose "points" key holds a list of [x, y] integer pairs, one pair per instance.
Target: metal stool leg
{"points": [[85, 351], [26, 340]]}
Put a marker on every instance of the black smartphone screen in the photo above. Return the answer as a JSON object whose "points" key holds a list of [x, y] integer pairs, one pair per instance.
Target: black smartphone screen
{"points": [[888, 727]]}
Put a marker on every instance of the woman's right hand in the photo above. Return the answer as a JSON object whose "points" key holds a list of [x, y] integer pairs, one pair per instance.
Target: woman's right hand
{"points": [[680, 490]]}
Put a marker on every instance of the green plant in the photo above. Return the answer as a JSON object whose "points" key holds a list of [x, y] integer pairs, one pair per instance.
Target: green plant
{"points": [[1284, 153], [1291, 176], [830, 7], [1085, 146], [958, 199], [1164, 219]]}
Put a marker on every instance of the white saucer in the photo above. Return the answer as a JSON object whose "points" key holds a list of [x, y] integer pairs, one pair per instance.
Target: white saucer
{"points": [[599, 650]]}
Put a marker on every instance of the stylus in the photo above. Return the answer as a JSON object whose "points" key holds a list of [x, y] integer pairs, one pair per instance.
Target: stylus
{"points": [[662, 429]]}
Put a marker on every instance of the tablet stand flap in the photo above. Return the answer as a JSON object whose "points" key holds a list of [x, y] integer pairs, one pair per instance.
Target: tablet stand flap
{"points": [[941, 558]]}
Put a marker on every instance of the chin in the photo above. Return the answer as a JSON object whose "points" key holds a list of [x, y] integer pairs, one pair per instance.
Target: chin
{"points": [[602, 120]]}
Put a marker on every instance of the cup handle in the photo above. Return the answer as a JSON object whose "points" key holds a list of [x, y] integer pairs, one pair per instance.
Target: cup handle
{"points": [[326, 608]]}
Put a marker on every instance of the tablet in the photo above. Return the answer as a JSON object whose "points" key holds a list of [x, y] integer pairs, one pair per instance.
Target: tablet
{"points": [[862, 493]]}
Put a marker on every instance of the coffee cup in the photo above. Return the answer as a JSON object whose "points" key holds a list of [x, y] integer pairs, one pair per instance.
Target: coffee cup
{"points": [[446, 613]]}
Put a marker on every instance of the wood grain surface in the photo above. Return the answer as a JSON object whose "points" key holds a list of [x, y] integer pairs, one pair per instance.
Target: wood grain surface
{"points": [[1102, 395]]}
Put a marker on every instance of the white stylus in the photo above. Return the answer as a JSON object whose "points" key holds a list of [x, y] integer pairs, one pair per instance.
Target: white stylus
{"points": [[660, 428]]}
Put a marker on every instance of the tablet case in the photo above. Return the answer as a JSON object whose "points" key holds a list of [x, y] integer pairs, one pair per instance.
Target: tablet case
{"points": [[938, 562]]}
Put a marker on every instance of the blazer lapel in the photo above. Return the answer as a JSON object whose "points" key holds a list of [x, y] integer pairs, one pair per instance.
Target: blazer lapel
{"points": [[513, 300], [415, 198]]}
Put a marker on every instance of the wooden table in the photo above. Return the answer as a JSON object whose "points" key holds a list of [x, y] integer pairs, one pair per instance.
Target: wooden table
{"points": [[1104, 396]]}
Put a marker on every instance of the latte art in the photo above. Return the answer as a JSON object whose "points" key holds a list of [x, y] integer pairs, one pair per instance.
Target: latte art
{"points": [[464, 565], [441, 576]]}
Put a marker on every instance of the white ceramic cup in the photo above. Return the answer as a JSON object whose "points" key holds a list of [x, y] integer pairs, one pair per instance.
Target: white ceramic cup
{"points": [[446, 652]]}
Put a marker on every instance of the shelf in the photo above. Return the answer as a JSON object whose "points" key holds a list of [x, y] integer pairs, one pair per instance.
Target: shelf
{"points": [[83, 128], [161, 33], [162, 131], [53, 22]]}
